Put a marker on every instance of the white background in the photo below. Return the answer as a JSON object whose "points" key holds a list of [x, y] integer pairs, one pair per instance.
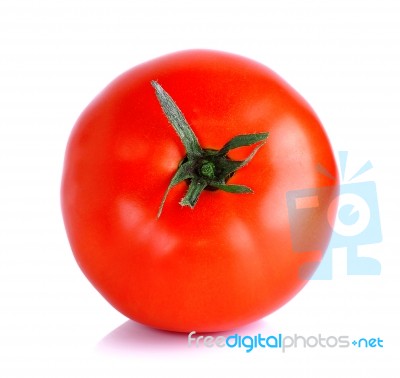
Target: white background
{"points": [[55, 56]]}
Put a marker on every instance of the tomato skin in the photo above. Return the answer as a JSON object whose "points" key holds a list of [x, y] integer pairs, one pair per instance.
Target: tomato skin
{"points": [[228, 261]]}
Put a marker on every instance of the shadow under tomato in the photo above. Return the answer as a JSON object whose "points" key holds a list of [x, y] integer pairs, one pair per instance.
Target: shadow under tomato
{"points": [[132, 338]]}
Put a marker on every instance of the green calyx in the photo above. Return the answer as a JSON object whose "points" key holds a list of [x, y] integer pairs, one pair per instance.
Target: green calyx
{"points": [[207, 169], [204, 168]]}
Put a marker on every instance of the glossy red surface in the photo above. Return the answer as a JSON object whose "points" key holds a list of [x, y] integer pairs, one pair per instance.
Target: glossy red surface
{"points": [[230, 260]]}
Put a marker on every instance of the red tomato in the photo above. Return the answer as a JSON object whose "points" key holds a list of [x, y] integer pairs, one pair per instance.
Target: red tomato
{"points": [[229, 260]]}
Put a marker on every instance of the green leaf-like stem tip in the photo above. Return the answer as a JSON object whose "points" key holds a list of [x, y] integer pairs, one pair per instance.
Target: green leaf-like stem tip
{"points": [[203, 168], [178, 121]]}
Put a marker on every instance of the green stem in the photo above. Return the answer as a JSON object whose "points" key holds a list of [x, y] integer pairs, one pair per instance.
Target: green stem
{"points": [[192, 196], [205, 168]]}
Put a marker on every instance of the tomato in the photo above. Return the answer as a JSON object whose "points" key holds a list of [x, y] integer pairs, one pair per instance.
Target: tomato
{"points": [[209, 260]]}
